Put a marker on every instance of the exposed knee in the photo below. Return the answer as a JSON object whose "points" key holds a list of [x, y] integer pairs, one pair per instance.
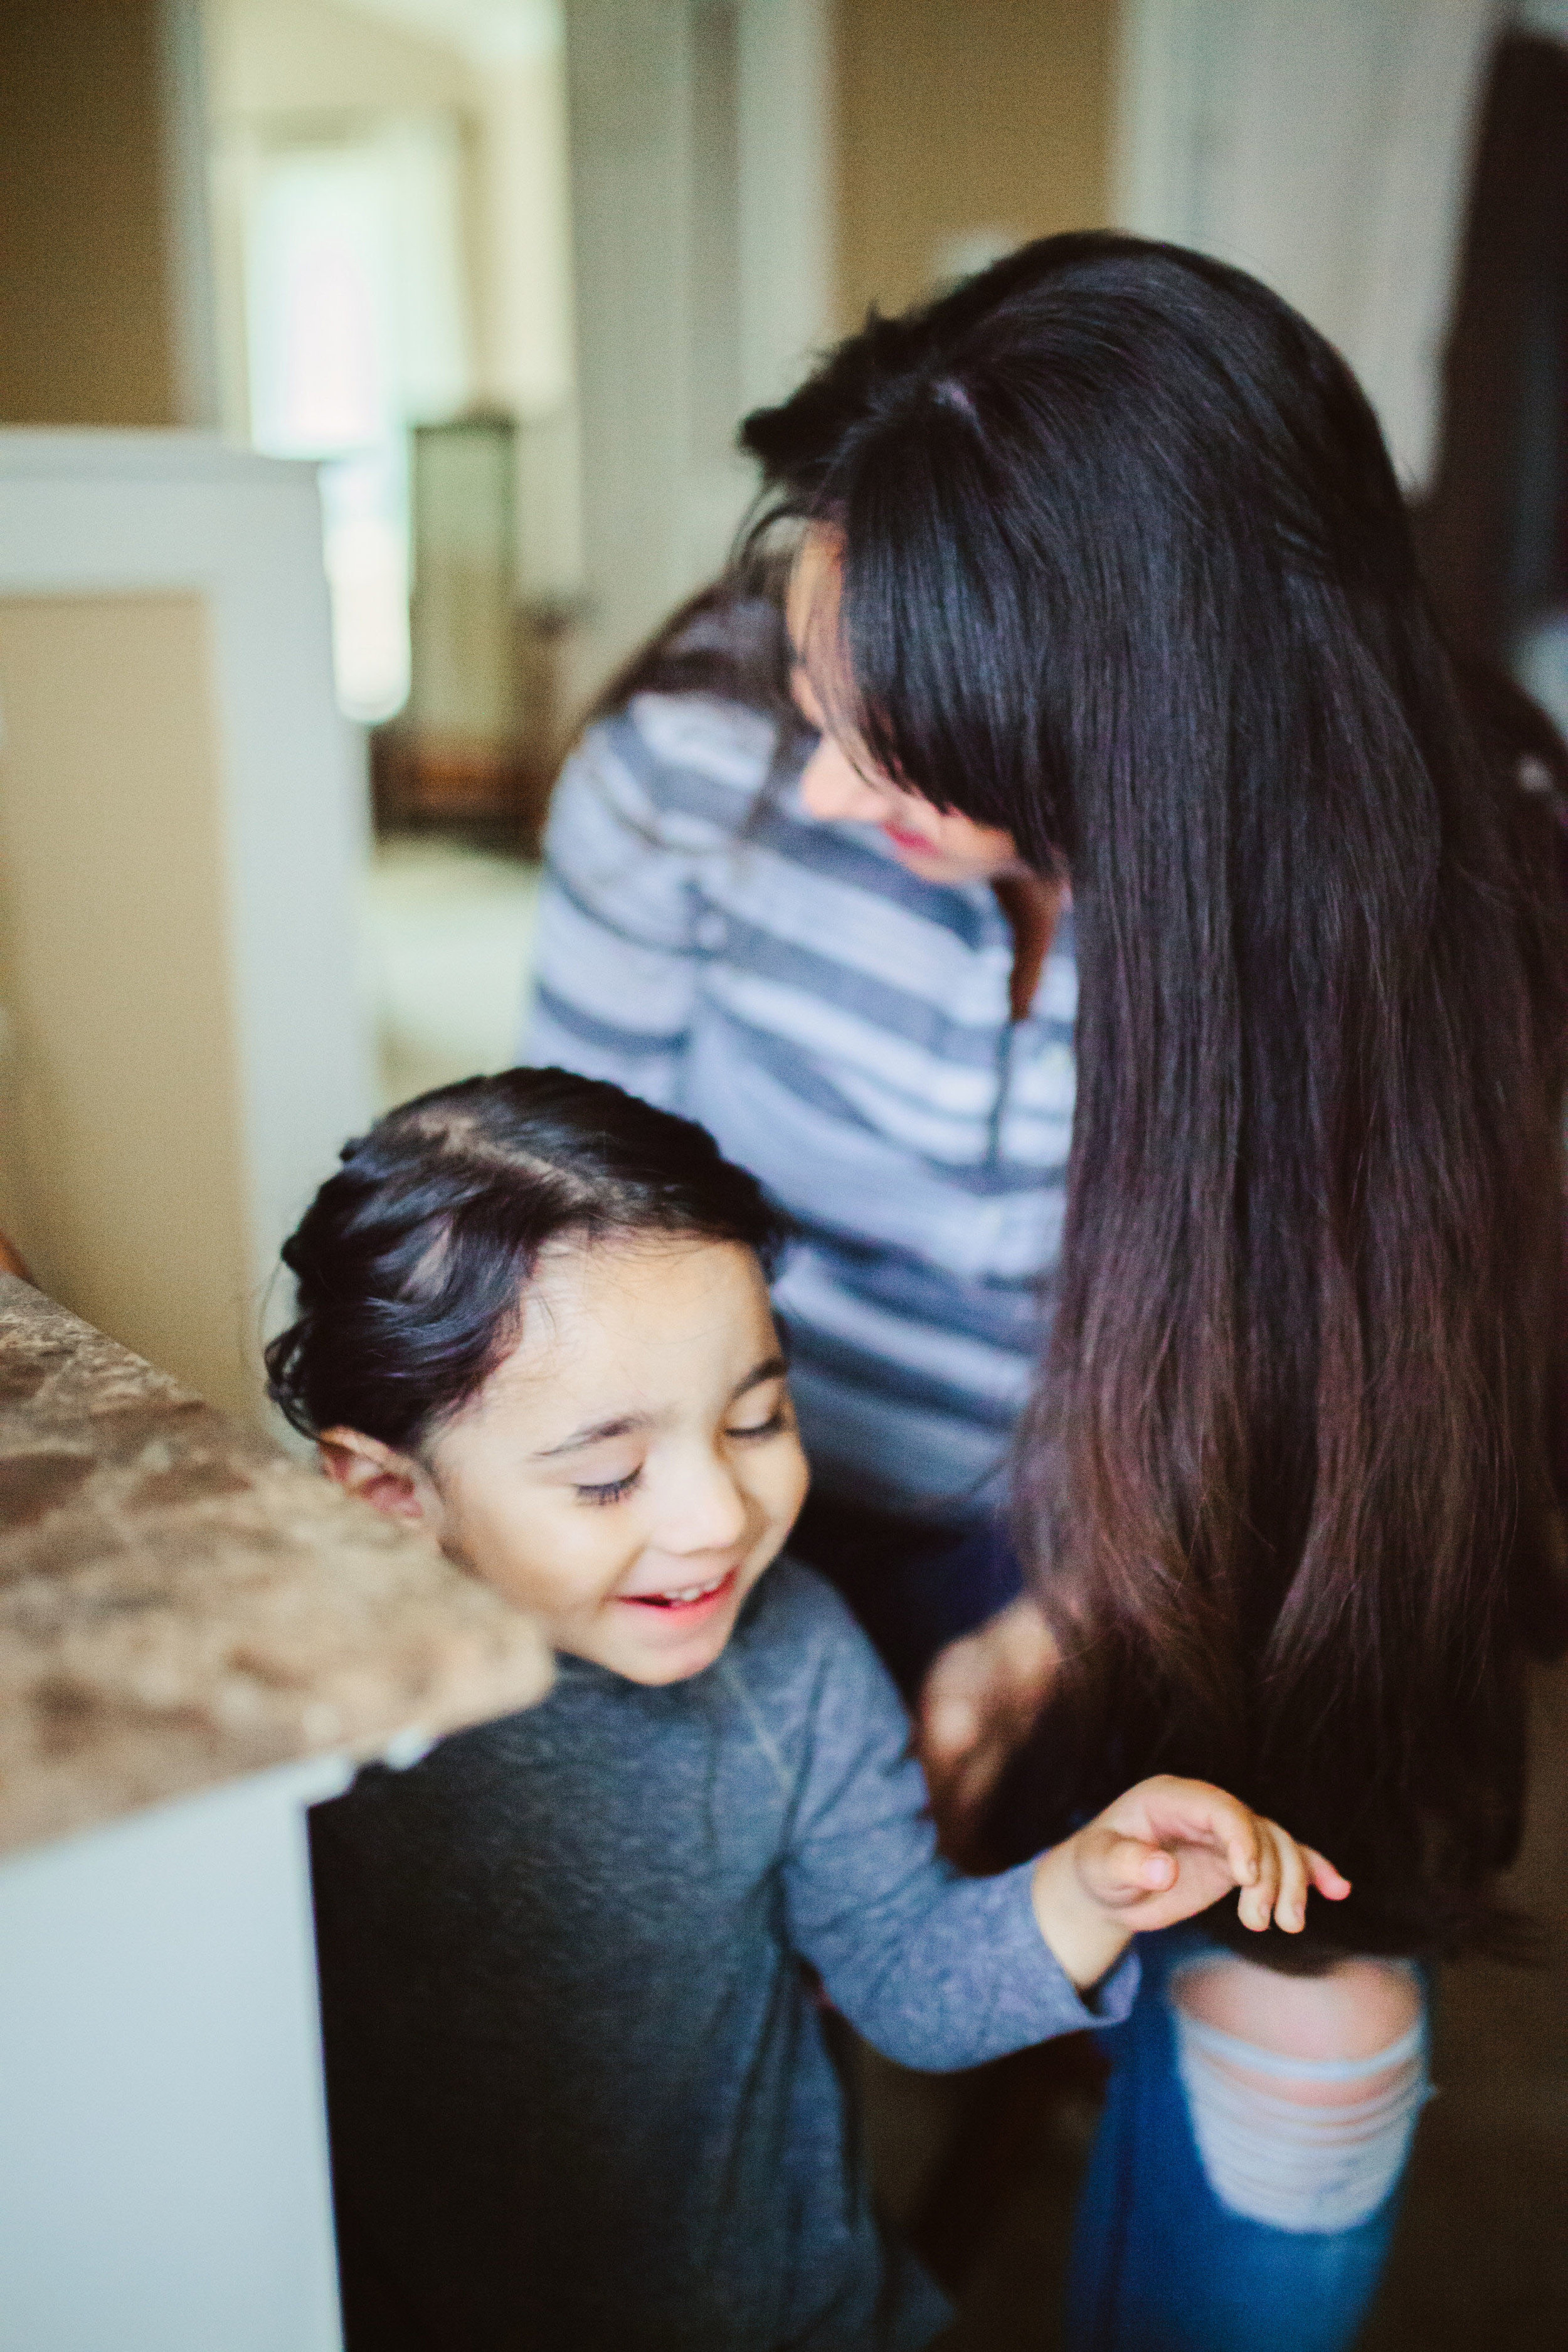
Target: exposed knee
{"points": [[1303, 2092], [1346, 2017]]}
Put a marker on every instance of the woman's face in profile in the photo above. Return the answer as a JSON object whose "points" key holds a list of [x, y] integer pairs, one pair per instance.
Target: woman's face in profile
{"points": [[839, 784]]}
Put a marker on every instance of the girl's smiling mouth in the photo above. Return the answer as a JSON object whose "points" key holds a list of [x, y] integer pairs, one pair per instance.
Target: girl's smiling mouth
{"points": [[686, 1601]]}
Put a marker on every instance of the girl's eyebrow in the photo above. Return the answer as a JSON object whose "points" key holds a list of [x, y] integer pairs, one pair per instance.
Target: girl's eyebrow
{"points": [[594, 1433], [772, 1367]]}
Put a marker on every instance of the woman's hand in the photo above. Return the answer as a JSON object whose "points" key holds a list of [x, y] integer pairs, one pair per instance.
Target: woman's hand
{"points": [[979, 1703], [1162, 1853]]}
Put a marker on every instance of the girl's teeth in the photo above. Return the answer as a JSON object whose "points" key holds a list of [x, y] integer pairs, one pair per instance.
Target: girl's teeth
{"points": [[687, 1594]]}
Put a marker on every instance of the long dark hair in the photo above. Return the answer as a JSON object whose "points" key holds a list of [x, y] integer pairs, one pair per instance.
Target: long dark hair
{"points": [[1125, 571], [412, 1263], [728, 643], [729, 640]]}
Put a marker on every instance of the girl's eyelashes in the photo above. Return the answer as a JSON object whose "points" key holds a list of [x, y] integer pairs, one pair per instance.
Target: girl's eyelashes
{"points": [[612, 1491], [776, 1420], [615, 1490]]}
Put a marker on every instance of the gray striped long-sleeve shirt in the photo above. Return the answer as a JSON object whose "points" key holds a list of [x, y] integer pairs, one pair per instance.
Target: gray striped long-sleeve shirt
{"points": [[844, 1029]]}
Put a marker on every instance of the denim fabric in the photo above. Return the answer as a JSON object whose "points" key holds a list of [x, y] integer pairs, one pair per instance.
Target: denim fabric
{"points": [[1159, 2264]]}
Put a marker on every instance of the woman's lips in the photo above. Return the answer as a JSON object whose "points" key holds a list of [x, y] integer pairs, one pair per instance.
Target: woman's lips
{"points": [[916, 842], [687, 1604]]}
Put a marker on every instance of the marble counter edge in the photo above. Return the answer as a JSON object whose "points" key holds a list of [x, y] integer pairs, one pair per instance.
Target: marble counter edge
{"points": [[181, 1603]]}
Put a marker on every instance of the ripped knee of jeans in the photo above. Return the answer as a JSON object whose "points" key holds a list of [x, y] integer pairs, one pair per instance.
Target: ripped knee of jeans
{"points": [[1287, 2135]]}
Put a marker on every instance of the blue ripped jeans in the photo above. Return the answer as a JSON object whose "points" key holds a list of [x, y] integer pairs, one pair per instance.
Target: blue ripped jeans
{"points": [[1159, 2263]]}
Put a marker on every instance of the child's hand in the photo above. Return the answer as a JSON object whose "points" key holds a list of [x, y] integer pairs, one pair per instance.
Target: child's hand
{"points": [[1163, 1852]]}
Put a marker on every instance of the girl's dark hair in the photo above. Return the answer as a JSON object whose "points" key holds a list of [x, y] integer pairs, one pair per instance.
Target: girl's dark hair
{"points": [[412, 1262], [1126, 571], [729, 640]]}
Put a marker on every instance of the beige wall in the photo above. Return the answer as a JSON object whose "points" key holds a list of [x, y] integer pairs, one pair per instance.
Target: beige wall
{"points": [[86, 331], [960, 118], [282, 56], [123, 1178]]}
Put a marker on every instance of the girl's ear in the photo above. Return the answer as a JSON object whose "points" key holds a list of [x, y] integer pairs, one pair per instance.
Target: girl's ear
{"points": [[377, 1474]]}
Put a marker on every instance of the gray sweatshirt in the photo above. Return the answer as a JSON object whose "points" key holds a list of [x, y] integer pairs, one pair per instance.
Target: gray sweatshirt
{"points": [[579, 2085]]}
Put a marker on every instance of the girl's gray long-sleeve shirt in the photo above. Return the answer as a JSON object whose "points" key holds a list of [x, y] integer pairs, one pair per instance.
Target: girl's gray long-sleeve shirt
{"points": [[579, 2090]]}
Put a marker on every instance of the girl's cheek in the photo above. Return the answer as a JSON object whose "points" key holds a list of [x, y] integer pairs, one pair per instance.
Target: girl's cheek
{"points": [[540, 1549], [786, 1486]]}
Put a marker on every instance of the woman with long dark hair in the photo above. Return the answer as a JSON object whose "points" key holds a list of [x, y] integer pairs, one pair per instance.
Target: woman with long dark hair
{"points": [[1103, 553]]}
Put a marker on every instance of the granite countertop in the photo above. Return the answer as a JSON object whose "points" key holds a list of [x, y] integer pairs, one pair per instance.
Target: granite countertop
{"points": [[182, 1602]]}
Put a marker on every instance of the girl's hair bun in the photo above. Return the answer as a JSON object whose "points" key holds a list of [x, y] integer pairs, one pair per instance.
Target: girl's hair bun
{"points": [[411, 1262]]}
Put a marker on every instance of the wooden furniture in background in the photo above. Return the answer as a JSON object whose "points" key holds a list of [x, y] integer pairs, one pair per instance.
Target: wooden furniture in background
{"points": [[474, 750]]}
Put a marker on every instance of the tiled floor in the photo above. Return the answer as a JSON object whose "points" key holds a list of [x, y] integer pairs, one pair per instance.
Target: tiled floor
{"points": [[445, 941]]}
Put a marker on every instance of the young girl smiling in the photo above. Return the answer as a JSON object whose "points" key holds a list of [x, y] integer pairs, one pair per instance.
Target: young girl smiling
{"points": [[579, 2087]]}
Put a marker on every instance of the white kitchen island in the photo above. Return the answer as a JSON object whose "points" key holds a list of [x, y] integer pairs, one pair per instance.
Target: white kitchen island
{"points": [[198, 1640]]}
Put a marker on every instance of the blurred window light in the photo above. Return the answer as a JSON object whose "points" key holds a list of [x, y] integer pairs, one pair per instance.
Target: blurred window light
{"points": [[356, 328]]}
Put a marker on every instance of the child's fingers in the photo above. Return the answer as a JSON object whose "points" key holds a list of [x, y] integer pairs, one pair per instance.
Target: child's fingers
{"points": [[1290, 1902], [1117, 1870], [1206, 1814], [1324, 1876], [1296, 1868], [1143, 1869], [1256, 1906]]}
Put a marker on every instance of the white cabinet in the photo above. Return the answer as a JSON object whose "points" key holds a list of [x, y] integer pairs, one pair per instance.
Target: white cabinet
{"points": [[164, 2181]]}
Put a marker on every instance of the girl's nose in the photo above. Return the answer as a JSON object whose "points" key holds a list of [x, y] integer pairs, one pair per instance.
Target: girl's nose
{"points": [[833, 790], [707, 1514]]}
